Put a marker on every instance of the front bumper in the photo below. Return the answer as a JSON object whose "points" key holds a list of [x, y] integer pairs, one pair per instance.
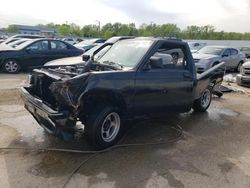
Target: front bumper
{"points": [[50, 119], [243, 80]]}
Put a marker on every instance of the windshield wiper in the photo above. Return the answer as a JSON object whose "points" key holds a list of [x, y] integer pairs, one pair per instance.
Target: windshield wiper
{"points": [[113, 63]]}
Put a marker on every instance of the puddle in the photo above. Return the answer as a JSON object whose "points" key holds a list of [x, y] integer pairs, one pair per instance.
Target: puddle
{"points": [[218, 113], [25, 125]]}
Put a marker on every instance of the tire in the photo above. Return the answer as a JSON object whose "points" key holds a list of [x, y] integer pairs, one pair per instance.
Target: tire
{"points": [[203, 103], [239, 66], [11, 66], [99, 129]]}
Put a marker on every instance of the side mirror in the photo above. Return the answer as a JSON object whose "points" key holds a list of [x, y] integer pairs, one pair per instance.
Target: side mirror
{"points": [[85, 57], [225, 55], [156, 62]]}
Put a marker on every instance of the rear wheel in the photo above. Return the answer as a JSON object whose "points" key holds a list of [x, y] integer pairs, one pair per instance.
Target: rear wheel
{"points": [[105, 127], [203, 103], [11, 66]]}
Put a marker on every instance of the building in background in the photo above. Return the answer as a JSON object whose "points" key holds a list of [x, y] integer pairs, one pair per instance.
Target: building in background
{"points": [[33, 30]]}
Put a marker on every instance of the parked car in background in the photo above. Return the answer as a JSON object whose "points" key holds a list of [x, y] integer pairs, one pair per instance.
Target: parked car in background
{"points": [[34, 52], [90, 43], [244, 77], [195, 46], [20, 36], [27, 36], [246, 51], [98, 51], [79, 40], [210, 56], [10, 40], [18, 42], [71, 41]]}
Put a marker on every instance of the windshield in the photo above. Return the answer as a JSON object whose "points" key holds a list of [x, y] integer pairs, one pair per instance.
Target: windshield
{"points": [[127, 53], [211, 50]]}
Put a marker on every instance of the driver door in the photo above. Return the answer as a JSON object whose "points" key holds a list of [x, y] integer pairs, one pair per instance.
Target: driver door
{"points": [[163, 89]]}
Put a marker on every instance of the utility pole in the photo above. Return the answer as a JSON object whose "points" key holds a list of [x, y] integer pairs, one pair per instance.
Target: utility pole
{"points": [[99, 27]]}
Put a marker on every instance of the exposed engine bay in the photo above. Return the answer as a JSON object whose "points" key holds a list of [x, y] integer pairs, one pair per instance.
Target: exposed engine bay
{"points": [[75, 70]]}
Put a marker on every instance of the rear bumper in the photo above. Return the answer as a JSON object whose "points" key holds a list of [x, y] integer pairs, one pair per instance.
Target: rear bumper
{"points": [[48, 118], [243, 80]]}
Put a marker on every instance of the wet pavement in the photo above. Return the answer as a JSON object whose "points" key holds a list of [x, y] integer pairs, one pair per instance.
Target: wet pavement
{"points": [[213, 152]]}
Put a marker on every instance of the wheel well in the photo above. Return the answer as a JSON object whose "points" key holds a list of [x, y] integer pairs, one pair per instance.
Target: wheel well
{"points": [[96, 99], [10, 59]]}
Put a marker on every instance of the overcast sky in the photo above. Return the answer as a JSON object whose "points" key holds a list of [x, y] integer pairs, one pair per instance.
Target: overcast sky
{"points": [[227, 15]]}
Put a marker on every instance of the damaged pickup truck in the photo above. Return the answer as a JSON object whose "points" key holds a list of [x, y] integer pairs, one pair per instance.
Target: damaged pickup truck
{"points": [[136, 78]]}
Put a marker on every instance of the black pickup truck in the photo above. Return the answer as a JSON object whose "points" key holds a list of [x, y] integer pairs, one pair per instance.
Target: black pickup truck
{"points": [[135, 78]]}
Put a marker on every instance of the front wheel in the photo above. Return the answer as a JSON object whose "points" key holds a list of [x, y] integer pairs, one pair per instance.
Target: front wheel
{"points": [[203, 103], [105, 127], [11, 66]]}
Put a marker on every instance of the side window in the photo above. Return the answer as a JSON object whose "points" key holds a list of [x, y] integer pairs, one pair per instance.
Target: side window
{"points": [[57, 45], [39, 46], [226, 52], [233, 51], [172, 56]]}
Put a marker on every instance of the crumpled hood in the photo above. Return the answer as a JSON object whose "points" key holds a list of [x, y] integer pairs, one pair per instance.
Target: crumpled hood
{"points": [[204, 56], [66, 61]]}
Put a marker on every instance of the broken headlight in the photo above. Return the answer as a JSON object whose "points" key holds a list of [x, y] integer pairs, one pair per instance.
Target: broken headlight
{"points": [[68, 92]]}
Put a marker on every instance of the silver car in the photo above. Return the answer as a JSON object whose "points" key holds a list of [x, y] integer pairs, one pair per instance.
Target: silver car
{"points": [[246, 51], [244, 77], [210, 56]]}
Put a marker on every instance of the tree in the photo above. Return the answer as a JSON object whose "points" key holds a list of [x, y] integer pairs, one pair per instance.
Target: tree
{"points": [[12, 29], [165, 30]]}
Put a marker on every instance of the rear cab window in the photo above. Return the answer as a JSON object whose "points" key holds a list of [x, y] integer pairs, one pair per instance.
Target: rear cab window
{"points": [[173, 56]]}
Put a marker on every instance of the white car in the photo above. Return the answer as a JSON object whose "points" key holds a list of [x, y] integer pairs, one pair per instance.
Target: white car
{"points": [[71, 41]]}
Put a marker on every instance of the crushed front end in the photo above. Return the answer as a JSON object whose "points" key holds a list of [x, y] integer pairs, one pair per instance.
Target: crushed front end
{"points": [[49, 97]]}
